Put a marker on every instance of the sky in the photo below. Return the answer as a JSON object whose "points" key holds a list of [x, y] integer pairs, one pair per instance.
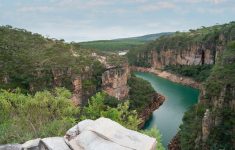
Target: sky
{"points": [[86, 20]]}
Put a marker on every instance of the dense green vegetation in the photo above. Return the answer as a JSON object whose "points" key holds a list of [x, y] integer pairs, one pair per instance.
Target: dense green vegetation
{"points": [[139, 98], [197, 72], [120, 114], [24, 117], [221, 80], [153, 132], [120, 44], [191, 127]]}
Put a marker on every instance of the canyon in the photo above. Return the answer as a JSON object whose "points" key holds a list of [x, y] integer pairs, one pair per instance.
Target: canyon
{"points": [[85, 73]]}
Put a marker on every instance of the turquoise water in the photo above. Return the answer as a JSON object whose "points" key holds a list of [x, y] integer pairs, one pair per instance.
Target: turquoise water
{"points": [[169, 116]]}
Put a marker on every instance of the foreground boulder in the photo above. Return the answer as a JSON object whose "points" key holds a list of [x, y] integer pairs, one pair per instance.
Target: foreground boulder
{"points": [[10, 147], [100, 134], [105, 134]]}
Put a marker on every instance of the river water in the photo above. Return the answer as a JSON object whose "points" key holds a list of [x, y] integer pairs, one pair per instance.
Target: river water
{"points": [[169, 116]]}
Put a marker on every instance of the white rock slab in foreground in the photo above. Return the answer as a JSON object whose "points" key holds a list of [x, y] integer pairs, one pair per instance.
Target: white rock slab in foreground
{"points": [[105, 134], [55, 143]]}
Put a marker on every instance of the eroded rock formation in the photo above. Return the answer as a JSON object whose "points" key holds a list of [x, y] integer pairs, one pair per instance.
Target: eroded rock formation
{"points": [[114, 81]]}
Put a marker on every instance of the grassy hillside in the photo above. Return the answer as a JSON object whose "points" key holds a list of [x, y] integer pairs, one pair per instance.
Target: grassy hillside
{"points": [[149, 37], [120, 44]]}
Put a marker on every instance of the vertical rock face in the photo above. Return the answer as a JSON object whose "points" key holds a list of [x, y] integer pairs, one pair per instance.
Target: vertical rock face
{"points": [[114, 82], [77, 91], [59, 75], [206, 125], [194, 54]]}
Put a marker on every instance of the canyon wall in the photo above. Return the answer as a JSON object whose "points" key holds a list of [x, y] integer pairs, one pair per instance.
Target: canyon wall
{"points": [[192, 55], [180, 49], [114, 81]]}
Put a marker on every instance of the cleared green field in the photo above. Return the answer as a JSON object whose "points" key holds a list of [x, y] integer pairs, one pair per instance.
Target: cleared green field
{"points": [[111, 45]]}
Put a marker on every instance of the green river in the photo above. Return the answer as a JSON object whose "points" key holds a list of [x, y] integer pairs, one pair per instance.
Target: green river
{"points": [[169, 116]]}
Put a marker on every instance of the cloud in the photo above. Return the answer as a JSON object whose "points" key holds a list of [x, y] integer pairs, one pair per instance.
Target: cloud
{"points": [[43, 9], [201, 1], [210, 10], [88, 4], [157, 6], [217, 1]]}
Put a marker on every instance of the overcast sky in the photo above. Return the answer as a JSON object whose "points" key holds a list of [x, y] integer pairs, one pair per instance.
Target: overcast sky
{"points": [[85, 20]]}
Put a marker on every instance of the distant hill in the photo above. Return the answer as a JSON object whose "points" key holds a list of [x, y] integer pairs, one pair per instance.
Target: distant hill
{"points": [[122, 43], [148, 37]]}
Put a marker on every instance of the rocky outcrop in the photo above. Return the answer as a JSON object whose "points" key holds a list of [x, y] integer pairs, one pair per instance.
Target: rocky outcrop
{"points": [[167, 75], [147, 112], [100, 134], [50, 143], [11, 147], [114, 81]]}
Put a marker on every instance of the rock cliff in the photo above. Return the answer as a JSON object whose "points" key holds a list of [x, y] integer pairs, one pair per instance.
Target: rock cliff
{"points": [[114, 81], [101, 134], [192, 55]]}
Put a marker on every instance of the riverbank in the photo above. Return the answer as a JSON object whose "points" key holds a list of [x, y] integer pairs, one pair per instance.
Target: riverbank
{"points": [[175, 143], [148, 111], [170, 76]]}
